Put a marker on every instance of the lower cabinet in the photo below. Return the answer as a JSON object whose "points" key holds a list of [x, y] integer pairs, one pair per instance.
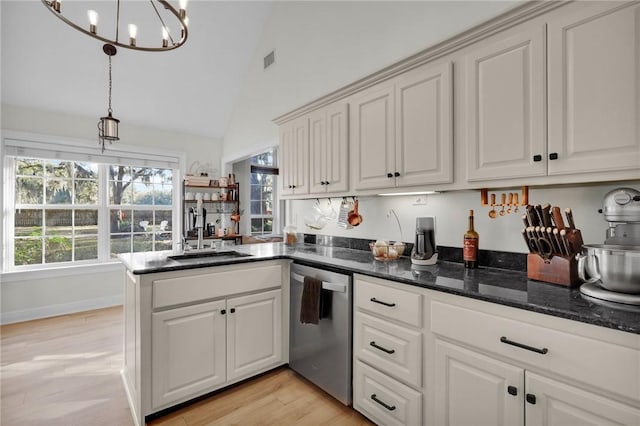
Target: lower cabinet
{"points": [[474, 389], [195, 349]]}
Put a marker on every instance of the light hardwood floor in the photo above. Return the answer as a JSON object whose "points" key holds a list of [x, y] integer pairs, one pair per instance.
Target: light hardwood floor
{"points": [[66, 371]]}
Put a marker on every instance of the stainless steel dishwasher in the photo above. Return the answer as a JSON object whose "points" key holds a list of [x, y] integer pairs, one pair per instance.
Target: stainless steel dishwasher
{"points": [[322, 353]]}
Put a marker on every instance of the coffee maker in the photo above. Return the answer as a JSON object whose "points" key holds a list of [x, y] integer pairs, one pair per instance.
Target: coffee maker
{"points": [[424, 247], [611, 271]]}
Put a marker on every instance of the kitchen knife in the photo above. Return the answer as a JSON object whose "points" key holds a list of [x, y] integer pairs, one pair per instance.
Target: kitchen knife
{"points": [[565, 242], [556, 237], [569, 214], [557, 217], [546, 218], [538, 210], [527, 240], [525, 220], [531, 215], [554, 243]]}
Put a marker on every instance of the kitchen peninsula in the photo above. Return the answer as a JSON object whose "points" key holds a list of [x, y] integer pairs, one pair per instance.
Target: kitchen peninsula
{"points": [[245, 296]]}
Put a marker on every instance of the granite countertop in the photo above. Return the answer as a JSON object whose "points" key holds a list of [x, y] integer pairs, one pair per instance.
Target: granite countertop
{"points": [[500, 286]]}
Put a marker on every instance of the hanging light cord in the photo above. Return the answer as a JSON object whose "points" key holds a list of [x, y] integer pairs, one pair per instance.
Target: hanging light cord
{"points": [[110, 84]]}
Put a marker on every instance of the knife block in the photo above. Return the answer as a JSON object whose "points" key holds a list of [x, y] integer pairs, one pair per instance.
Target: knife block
{"points": [[557, 270]]}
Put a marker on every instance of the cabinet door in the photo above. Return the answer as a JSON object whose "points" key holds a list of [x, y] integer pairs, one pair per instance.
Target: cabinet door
{"points": [[187, 352], [473, 389], [558, 404], [337, 148], [594, 88], [300, 161], [254, 333], [287, 156], [318, 151], [506, 107], [373, 138], [424, 146]]}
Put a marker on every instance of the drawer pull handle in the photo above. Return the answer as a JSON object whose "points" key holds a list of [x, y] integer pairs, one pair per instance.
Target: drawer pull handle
{"points": [[388, 407], [531, 399], [512, 390], [542, 351], [374, 300], [389, 351]]}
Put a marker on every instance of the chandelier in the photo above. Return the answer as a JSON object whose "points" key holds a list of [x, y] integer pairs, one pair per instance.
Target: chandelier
{"points": [[108, 125]]}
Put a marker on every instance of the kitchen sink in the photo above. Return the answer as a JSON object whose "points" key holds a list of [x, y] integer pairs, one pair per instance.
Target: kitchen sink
{"points": [[229, 254]]}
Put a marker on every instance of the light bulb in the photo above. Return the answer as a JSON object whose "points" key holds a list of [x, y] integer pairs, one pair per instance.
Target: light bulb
{"points": [[133, 31], [93, 21], [165, 37], [183, 4], [183, 7]]}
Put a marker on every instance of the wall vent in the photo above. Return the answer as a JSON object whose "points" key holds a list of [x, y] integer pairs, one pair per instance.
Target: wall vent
{"points": [[269, 59]]}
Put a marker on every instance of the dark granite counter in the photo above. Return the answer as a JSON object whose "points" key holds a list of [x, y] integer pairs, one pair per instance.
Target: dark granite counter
{"points": [[500, 286]]}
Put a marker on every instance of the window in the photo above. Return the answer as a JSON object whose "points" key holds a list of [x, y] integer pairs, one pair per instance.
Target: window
{"points": [[62, 212], [263, 192]]}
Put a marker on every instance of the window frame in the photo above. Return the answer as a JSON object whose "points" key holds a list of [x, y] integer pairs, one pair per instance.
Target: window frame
{"points": [[275, 205], [79, 150]]}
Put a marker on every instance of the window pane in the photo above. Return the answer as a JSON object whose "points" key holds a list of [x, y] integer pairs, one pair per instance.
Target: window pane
{"points": [[164, 176], [28, 223], [256, 192], [120, 244], [86, 191], [61, 169], [119, 193], [268, 225], [142, 220], [29, 167], [85, 222], [28, 190], [58, 222], [142, 194], [164, 242], [162, 195], [256, 226], [122, 173], [266, 207], [28, 251], [120, 220], [57, 249], [270, 180], [255, 207], [86, 170], [58, 191], [142, 242], [86, 247], [164, 220]]}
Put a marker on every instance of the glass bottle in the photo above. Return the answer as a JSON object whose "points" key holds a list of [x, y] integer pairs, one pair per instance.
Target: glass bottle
{"points": [[470, 248]]}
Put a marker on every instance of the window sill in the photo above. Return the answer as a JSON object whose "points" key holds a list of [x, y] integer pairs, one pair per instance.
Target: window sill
{"points": [[17, 276]]}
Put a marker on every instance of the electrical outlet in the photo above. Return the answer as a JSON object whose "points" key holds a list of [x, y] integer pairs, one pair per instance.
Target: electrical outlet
{"points": [[420, 201]]}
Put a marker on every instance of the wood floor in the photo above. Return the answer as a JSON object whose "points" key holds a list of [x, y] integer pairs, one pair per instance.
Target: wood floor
{"points": [[66, 371]]}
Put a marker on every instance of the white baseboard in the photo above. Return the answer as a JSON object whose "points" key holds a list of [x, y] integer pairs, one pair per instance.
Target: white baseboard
{"points": [[60, 309]]}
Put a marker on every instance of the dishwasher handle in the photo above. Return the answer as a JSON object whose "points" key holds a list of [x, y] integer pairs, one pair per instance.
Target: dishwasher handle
{"points": [[326, 285]]}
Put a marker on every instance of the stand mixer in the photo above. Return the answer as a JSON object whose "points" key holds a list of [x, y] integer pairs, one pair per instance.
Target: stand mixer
{"points": [[424, 248], [612, 270]]}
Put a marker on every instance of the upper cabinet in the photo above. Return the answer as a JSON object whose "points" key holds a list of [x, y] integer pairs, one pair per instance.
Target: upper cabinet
{"points": [[294, 149], [329, 149], [505, 106], [594, 88], [401, 130]]}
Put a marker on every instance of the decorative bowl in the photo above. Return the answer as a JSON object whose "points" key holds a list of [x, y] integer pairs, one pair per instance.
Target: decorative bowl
{"points": [[384, 250]]}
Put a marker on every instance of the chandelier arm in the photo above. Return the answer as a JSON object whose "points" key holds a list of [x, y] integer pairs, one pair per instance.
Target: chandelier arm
{"points": [[161, 20], [185, 31], [117, 27]]}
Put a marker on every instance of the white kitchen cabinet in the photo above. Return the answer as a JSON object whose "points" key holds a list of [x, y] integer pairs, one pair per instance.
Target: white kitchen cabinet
{"points": [[188, 351], [594, 88], [329, 149], [294, 148], [254, 333], [401, 130], [473, 389], [387, 352], [505, 108]]}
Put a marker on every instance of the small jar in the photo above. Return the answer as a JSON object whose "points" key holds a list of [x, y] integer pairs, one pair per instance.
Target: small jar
{"points": [[290, 235]]}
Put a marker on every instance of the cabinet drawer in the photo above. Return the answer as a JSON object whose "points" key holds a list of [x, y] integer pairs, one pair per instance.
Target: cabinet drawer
{"points": [[610, 367], [226, 280], [384, 400], [388, 347], [389, 302]]}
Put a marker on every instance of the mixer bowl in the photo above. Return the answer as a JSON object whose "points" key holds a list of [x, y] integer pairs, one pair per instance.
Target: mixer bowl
{"points": [[616, 266]]}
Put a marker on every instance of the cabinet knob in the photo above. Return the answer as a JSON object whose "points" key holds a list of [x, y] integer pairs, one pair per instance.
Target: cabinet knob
{"points": [[531, 399], [223, 311], [397, 174], [512, 390], [553, 156], [290, 186], [293, 186], [232, 310], [389, 175], [537, 158], [326, 183]]}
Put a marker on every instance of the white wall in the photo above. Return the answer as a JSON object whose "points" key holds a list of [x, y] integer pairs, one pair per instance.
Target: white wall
{"points": [[451, 212], [60, 292], [323, 45]]}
